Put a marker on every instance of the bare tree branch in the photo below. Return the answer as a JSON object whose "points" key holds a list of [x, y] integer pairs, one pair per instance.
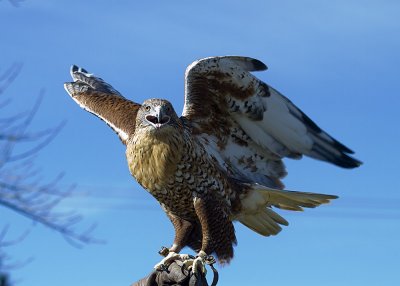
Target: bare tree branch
{"points": [[22, 189], [15, 3], [7, 77], [6, 263]]}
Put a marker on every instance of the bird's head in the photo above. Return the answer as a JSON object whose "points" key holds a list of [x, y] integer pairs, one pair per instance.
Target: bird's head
{"points": [[156, 115]]}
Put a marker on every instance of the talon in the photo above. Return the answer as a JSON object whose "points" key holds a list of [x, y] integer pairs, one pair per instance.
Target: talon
{"points": [[210, 260], [185, 257], [168, 259], [199, 263], [163, 251], [188, 263], [196, 264]]}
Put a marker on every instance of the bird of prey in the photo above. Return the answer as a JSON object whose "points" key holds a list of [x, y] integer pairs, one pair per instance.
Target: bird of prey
{"points": [[221, 161]]}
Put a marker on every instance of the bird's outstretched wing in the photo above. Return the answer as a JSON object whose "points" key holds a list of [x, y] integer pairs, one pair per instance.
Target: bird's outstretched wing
{"points": [[249, 126], [101, 99]]}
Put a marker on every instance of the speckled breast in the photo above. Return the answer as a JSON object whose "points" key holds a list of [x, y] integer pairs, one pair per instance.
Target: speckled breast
{"points": [[174, 173]]}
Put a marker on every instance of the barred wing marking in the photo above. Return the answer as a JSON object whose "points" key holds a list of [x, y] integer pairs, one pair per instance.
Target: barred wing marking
{"points": [[101, 99], [224, 102]]}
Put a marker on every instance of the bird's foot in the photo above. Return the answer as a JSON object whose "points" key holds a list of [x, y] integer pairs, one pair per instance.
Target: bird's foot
{"points": [[198, 264], [169, 257], [164, 251]]}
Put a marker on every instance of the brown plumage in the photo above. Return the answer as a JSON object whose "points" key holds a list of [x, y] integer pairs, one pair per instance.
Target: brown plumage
{"points": [[169, 163], [221, 160]]}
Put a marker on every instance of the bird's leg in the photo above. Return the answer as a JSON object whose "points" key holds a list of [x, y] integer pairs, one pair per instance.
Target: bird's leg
{"points": [[171, 257], [199, 262], [217, 233], [183, 229]]}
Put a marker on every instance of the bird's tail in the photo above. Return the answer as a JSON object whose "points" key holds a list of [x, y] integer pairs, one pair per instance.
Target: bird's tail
{"points": [[258, 215]]}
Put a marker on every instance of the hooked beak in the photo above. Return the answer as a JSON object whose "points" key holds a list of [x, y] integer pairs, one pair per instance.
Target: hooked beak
{"points": [[158, 118]]}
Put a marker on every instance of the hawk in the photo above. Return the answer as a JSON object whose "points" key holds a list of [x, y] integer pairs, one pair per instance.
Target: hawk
{"points": [[221, 161]]}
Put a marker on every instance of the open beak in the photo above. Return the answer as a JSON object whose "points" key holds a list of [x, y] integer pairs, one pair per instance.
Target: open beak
{"points": [[158, 118]]}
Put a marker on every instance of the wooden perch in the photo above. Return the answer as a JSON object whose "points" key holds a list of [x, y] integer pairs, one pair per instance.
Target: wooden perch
{"points": [[176, 275]]}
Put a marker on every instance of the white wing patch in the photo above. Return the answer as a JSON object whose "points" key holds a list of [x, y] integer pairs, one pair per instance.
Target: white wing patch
{"points": [[287, 129], [221, 91], [243, 159]]}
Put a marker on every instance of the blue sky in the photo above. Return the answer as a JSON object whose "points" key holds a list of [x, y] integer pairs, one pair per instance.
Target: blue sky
{"points": [[337, 60]]}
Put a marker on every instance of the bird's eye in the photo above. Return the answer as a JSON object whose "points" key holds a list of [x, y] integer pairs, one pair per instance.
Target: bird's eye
{"points": [[147, 108]]}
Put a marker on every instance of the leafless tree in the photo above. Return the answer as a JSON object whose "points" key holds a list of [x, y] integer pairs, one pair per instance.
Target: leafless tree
{"points": [[6, 263], [15, 3], [21, 188]]}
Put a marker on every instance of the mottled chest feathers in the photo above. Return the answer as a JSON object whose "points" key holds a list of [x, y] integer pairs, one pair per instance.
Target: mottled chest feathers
{"points": [[153, 157]]}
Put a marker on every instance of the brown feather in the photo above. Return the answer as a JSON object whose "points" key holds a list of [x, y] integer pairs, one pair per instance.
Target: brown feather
{"points": [[205, 168]]}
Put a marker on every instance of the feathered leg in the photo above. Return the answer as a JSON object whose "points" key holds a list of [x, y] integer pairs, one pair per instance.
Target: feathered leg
{"points": [[218, 234], [183, 229]]}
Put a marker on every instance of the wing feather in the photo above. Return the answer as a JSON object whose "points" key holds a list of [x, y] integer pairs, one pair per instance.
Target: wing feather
{"points": [[101, 99], [223, 99]]}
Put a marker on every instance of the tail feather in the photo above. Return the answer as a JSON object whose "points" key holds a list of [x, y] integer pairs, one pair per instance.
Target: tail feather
{"points": [[290, 200], [276, 217], [258, 215], [262, 223]]}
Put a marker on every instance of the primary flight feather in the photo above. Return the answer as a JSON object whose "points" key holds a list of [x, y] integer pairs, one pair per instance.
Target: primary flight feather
{"points": [[222, 159]]}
